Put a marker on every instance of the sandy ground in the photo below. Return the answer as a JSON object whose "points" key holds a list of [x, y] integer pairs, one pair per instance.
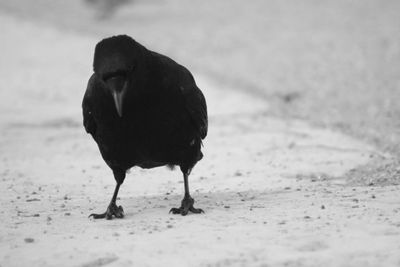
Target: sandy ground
{"points": [[276, 192]]}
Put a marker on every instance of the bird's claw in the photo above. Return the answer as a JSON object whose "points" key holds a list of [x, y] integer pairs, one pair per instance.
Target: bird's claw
{"points": [[112, 210], [194, 210], [186, 206]]}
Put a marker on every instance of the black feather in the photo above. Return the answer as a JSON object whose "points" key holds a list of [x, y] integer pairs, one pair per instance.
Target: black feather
{"points": [[164, 112]]}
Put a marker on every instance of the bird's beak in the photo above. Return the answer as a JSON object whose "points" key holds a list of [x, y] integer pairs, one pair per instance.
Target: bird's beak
{"points": [[118, 97], [118, 87]]}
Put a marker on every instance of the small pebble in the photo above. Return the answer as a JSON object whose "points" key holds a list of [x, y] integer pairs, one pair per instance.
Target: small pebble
{"points": [[29, 240], [238, 173], [32, 199]]}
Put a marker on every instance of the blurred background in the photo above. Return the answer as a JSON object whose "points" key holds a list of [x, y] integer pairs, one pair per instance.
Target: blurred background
{"points": [[333, 63]]}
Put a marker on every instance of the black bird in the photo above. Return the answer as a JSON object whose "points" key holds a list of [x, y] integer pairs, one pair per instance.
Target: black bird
{"points": [[143, 109]]}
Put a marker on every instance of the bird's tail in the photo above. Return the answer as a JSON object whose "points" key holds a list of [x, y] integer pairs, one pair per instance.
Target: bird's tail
{"points": [[171, 167]]}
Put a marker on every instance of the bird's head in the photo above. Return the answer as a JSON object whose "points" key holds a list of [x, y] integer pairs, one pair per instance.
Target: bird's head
{"points": [[115, 62]]}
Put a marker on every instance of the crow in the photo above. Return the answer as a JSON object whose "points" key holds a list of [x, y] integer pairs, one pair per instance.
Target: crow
{"points": [[143, 109]]}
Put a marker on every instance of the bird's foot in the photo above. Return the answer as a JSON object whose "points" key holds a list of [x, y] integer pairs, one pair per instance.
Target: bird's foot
{"points": [[112, 209], [186, 206]]}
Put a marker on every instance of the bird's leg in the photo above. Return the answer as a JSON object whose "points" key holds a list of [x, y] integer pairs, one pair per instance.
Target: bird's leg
{"points": [[113, 209], [187, 201]]}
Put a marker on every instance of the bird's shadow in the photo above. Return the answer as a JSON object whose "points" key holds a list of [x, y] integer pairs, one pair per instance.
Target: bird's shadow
{"points": [[211, 202]]}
